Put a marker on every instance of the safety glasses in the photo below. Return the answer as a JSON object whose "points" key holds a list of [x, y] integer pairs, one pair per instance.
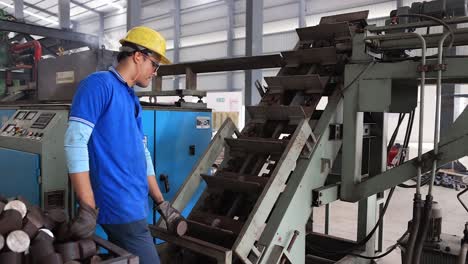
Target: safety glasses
{"points": [[153, 63]]}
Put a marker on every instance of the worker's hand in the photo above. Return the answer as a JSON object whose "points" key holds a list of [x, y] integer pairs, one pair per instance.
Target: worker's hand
{"points": [[84, 224], [175, 222]]}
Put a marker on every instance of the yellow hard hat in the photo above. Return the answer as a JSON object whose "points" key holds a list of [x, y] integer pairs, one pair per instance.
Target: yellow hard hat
{"points": [[148, 39]]}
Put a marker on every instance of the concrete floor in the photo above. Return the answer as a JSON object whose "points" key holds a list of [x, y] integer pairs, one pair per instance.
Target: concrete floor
{"points": [[344, 217]]}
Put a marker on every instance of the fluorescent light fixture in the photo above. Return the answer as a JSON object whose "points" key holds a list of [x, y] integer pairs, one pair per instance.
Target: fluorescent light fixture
{"points": [[114, 5], [31, 14]]}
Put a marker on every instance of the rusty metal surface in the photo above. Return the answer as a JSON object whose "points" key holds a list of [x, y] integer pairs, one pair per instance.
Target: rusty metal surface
{"points": [[309, 84], [323, 56], [41, 249], [10, 220], [68, 251], [232, 64], [336, 31], [53, 258], [237, 184], [359, 16], [11, 258], [87, 248]]}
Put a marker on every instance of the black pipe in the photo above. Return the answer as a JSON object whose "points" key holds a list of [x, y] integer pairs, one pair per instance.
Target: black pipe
{"points": [[423, 228], [417, 208]]}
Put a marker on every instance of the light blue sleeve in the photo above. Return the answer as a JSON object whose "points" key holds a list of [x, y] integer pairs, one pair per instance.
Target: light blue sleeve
{"points": [[149, 163], [76, 146]]}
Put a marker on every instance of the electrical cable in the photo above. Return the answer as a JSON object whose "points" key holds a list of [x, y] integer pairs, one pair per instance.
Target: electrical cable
{"points": [[357, 77], [387, 202]]}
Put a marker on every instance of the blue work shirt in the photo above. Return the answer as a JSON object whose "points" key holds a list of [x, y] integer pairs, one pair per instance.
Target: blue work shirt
{"points": [[117, 159]]}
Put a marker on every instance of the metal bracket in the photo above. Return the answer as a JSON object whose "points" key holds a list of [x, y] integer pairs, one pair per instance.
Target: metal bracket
{"points": [[326, 194], [432, 67], [336, 132]]}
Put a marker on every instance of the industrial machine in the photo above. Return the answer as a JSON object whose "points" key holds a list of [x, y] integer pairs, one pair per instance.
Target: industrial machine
{"points": [[290, 157], [32, 156]]}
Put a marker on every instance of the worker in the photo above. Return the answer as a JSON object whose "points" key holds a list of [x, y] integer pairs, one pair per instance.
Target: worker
{"points": [[109, 164]]}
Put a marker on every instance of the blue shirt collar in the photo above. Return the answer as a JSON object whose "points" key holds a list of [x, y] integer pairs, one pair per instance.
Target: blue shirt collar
{"points": [[117, 74]]}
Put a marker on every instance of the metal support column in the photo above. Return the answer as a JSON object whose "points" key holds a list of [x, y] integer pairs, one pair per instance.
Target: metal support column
{"points": [[367, 212], [133, 13], [19, 10], [64, 14], [366, 221], [253, 46], [101, 30], [302, 13], [230, 41], [399, 3], [176, 58]]}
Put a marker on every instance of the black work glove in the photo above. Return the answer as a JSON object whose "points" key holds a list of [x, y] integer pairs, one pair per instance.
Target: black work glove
{"points": [[175, 222], [84, 224]]}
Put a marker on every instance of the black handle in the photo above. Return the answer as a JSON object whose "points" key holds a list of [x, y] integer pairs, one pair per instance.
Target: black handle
{"points": [[165, 179]]}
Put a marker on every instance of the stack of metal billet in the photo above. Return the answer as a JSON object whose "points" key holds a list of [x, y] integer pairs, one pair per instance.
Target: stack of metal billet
{"points": [[30, 235]]}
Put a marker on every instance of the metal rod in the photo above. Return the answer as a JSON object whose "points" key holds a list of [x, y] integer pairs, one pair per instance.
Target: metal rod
{"points": [[327, 219], [421, 24], [416, 205], [462, 255], [437, 116], [421, 109]]}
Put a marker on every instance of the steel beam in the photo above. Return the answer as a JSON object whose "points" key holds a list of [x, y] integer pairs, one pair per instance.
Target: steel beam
{"points": [[233, 64], [302, 13], [101, 30], [133, 13], [64, 14], [11, 26], [176, 50], [19, 10], [253, 46], [230, 41], [26, 4]]}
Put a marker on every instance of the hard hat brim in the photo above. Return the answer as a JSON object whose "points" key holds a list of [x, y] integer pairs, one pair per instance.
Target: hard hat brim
{"points": [[164, 59]]}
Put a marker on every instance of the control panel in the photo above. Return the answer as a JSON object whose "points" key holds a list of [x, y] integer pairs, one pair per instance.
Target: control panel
{"points": [[29, 124]]}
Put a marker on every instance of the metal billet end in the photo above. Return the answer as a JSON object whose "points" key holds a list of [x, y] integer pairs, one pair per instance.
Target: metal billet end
{"points": [[44, 235], [179, 227], [18, 241], [18, 206], [95, 259], [2, 242]]}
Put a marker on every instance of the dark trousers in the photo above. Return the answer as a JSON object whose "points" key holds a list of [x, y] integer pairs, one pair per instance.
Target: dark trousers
{"points": [[135, 238]]}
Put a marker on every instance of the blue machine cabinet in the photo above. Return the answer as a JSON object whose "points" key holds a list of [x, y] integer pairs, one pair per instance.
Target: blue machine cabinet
{"points": [[176, 138], [26, 170]]}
